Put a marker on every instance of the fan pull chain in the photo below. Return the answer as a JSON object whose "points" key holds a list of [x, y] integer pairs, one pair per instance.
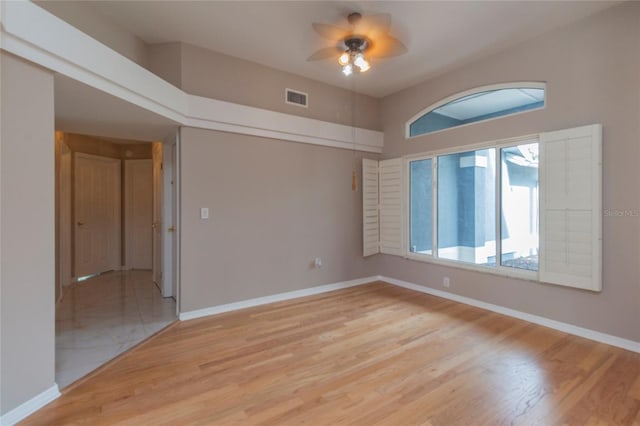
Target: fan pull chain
{"points": [[354, 173], [354, 180]]}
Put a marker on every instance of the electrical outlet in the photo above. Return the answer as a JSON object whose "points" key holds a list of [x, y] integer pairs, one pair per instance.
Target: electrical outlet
{"points": [[445, 282], [318, 262]]}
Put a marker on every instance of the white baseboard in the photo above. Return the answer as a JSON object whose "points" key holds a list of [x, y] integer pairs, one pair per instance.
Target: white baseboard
{"points": [[198, 313], [29, 407], [597, 336]]}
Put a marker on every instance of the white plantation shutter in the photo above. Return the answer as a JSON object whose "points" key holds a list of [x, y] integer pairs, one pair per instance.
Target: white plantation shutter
{"points": [[570, 207], [370, 216], [391, 217], [382, 214]]}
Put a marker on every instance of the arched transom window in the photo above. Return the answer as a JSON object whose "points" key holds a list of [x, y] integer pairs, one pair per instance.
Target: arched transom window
{"points": [[479, 104]]}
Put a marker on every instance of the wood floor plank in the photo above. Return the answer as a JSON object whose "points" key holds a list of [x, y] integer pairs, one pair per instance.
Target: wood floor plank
{"points": [[634, 391], [374, 354]]}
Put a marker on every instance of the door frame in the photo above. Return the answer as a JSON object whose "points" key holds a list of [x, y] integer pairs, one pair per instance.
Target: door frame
{"points": [[157, 205], [63, 214], [171, 218]]}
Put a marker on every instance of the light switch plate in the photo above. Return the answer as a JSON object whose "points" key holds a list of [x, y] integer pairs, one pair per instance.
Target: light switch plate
{"points": [[204, 213]]}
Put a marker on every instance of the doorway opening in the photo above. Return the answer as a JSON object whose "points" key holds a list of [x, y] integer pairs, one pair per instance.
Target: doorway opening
{"points": [[114, 227]]}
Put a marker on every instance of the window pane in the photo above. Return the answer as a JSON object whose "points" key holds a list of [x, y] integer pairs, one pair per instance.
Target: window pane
{"points": [[477, 107], [466, 207], [420, 201], [520, 207]]}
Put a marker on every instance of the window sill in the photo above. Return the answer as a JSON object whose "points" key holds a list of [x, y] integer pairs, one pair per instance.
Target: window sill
{"points": [[502, 271]]}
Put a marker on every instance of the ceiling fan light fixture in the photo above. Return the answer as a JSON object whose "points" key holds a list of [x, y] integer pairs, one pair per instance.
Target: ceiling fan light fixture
{"points": [[361, 62], [365, 66], [353, 60], [344, 58]]}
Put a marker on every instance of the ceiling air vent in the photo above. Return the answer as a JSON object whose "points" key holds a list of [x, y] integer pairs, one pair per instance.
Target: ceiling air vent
{"points": [[295, 97]]}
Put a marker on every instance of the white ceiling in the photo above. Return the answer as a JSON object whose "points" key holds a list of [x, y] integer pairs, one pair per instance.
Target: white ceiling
{"points": [[440, 35]]}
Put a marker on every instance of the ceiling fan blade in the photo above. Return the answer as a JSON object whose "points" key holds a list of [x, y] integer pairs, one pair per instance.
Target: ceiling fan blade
{"points": [[325, 53], [374, 24], [386, 46], [329, 31]]}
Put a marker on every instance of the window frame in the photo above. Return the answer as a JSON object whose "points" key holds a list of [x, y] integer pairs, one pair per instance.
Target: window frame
{"points": [[573, 158], [475, 90], [498, 269]]}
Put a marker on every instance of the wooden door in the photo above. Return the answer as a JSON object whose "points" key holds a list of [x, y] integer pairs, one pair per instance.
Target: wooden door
{"points": [[97, 214], [138, 215]]}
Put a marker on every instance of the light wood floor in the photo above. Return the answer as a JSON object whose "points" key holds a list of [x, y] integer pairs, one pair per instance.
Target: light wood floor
{"points": [[374, 354]]}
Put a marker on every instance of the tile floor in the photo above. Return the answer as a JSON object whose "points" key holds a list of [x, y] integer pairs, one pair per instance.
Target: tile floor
{"points": [[104, 316]]}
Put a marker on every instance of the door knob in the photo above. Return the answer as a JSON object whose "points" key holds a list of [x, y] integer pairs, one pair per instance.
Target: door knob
{"points": [[171, 229], [80, 223]]}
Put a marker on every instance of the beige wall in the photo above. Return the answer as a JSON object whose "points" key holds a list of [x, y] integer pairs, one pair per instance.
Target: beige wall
{"points": [[218, 76], [274, 207], [165, 61], [83, 16], [592, 70], [27, 271]]}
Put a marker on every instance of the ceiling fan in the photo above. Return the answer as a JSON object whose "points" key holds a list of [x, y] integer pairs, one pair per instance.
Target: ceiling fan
{"points": [[368, 37]]}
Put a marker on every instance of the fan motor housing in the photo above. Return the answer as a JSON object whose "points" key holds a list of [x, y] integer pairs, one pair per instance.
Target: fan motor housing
{"points": [[355, 43]]}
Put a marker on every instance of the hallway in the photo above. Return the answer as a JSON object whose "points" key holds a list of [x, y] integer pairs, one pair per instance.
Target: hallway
{"points": [[104, 316]]}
